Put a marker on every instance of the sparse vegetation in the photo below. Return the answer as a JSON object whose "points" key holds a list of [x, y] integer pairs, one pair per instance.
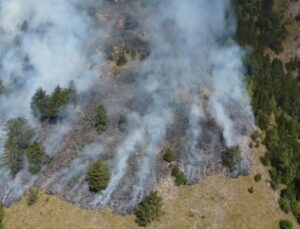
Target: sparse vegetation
{"points": [[101, 119], [168, 155], [149, 209], [178, 176], [98, 176], [231, 157], [32, 196]]}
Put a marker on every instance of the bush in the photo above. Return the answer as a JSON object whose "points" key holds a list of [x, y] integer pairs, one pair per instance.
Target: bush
{"points": [[265, 161], [148, 210], [98, 176], [251, 190], [231, 157], [257, 177], [168, 155], [101, 119], [255, 136], [179, 176], [32, 197], [122, 60], [35, 156], [285, 224], [285, 204]]}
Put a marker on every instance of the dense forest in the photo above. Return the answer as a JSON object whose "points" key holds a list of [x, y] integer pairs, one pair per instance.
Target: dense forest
{"points": [[275, 96]]}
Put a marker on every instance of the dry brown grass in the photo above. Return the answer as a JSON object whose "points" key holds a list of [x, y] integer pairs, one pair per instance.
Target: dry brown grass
{"points": [[217, 202]]}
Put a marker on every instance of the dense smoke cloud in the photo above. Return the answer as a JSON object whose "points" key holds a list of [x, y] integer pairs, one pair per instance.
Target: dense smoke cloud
{"points": [[194, 76]]}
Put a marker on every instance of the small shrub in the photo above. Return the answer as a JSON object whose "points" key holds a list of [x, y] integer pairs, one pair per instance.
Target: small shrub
{"points": [[101, 119], [251, 145], [251, 190], [149, 209], [285, 224], [265, 161], [257, 144], [122, 60], [255, 136], [168, 156], [98, 176], [231, 157], [274, 185], [179, 176], [285, 204], [257, 177], [144, 55], [122, 123], [32, 197]]}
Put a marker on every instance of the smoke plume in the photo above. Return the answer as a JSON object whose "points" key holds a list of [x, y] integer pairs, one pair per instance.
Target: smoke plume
{"points": [[187, 93]]}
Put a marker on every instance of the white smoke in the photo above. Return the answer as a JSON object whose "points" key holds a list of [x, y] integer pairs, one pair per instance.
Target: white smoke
{"points": [[46, 43]]}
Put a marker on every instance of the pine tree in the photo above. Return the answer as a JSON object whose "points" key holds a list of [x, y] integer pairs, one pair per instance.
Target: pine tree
{"points": [[19, 136], [149, 209], [101, 119], [35, 156], [98, 176], [39, 104]]}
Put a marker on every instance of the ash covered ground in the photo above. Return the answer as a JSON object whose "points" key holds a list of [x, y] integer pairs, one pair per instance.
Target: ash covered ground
{"points": [[171, 67]]}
